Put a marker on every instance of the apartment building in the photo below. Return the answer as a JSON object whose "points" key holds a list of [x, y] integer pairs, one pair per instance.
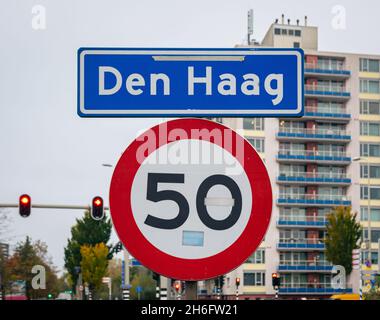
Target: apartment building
{"points": [[328, 158]]}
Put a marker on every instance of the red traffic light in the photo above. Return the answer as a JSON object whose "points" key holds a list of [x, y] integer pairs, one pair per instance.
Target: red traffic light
{"points": [[97, 210], [98, 201], [25, 204], [275, 280], [177, 286], [25, 199], [237, 281]]}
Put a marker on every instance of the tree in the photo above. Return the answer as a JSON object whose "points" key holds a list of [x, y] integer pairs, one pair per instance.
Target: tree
{"points": [[86, 231], [143, 278], [94, 264], [114, 272], [343, 235], [374, 293], [19, 267]]}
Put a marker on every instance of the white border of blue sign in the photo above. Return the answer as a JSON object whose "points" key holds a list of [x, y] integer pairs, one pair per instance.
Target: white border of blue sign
{"points": [[82, 112]]}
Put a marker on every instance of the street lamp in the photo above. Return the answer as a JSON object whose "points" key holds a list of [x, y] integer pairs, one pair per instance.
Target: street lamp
{"points": [[358, 159], [125, 252]]}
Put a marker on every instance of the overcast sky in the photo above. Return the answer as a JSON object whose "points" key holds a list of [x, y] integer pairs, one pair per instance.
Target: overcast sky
{"points": [[55, 156]]}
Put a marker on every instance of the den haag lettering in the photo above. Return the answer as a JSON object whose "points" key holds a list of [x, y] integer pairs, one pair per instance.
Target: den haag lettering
{"points": [[199, 80]]}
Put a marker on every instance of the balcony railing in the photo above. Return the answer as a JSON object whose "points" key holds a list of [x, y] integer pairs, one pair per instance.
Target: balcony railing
{"points": [[313, 155], [312, 243], [301, 220], [326, 112], [314, 199], [327, 69], [331, 134], [311, 288], [314, 177], [308, 265], [327, 90]]}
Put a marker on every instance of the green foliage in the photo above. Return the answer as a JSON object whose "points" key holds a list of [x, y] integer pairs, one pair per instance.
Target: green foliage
{"points": [[94, 264], [86, 232], [143, 278], [19, 267], [114, 272], [343, 235], [374, 293]]}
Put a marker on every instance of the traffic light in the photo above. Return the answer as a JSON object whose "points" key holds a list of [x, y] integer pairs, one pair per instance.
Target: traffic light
{"points": [[97, 210], [25, 204], [221, 281], [156, 277], [276, 280], [50, 296], [237, 282], [177, 286], [119, 247]]}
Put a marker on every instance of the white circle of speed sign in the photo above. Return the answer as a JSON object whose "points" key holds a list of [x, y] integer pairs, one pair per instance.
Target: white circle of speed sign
{"points": [[190, 199], [210, 242]]}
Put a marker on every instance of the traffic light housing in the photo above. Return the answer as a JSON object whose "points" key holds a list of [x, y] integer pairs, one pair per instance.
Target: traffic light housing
{"points": [[177, 287], [156, 277], [221, 281], [237, 282], [25, 205], [97, 208], [276, 280]]}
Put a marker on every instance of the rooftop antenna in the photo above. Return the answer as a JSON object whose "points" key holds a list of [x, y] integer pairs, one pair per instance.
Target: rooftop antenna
{"points": [[250, 26]]}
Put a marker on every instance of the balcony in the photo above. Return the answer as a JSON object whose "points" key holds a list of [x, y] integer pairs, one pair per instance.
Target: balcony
{"points": [[291, 156], [313, 200], [312, 244], [311, 288], [313, 134], [327, 92], [327, 71], [327, 113], [307, 178], [305, 266], [301, 221]]}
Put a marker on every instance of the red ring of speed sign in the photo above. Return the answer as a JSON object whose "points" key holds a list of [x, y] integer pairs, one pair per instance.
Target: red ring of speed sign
{"points": [[124, 219]]}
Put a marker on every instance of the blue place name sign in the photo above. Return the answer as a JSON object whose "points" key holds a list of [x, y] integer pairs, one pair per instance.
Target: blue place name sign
{"points": [[241, 82]]}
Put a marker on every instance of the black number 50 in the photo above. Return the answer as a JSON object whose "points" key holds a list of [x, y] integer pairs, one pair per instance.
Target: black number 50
{"points": [[169, 224]]}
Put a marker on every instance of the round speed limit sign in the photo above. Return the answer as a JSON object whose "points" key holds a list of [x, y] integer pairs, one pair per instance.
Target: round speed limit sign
{"points": [[190, 199]]}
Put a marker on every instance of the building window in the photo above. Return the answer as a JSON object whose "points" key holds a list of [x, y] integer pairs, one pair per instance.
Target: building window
{"points": [[374, 192], [254, 278], [375, 214], [258, 144], [369, 65], [256, 124], [369, 128], [370, 150], [296, 45], [284, 32], [291, 32], [375, 235], [369, 86], [374, 171], [374, 257], [369, 107], [297, 33], [277, 31], [258, 257]]}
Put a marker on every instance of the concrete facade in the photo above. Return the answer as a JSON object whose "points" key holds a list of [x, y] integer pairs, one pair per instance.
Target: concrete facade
{"points": [[315, 164]]}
